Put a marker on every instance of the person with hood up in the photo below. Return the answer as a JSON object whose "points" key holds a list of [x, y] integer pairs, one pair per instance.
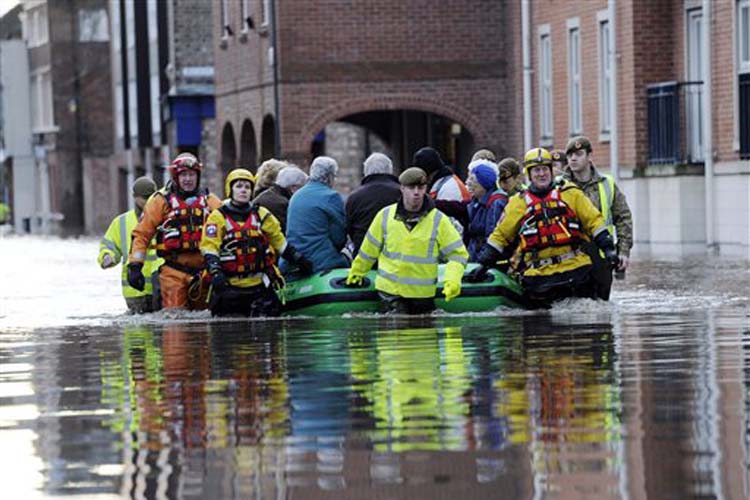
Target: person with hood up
{"points": [[379, 189], [115, 245], [240, 243], [443, 181]]}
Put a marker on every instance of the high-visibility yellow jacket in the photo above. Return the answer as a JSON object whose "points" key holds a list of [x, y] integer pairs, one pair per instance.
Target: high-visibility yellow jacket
{"points": [[408, 260], [552, 259], [116, 243], [216, 228]]}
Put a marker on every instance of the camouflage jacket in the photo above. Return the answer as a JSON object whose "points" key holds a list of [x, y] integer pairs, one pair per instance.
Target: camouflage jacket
{"points": [[621, 216]]}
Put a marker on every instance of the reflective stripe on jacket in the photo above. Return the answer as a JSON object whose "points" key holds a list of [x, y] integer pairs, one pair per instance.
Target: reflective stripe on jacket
{"points": [[116, 243], [408, 260]]}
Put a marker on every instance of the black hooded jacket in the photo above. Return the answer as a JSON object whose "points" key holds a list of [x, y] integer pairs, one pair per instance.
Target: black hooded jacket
{"points": [[377, 191]]}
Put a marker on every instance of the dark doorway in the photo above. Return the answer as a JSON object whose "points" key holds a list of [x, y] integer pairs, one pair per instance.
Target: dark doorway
{"points": [[248, 147], [268, 138], [228, 149]]}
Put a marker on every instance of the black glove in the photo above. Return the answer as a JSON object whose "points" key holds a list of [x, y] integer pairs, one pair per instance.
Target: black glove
{"points": [[135, 276], [477, 275], [488, 256], [604, 241], [218, 280], [292, 255]]}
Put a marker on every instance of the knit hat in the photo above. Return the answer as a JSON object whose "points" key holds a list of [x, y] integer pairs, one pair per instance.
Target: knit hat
{"points": [[413, 176], [144, 187], [485, 176], [428, 160]]}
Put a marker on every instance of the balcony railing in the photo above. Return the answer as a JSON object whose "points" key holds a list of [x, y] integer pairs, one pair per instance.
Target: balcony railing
{"points": [[744, 115], [675, 128]]}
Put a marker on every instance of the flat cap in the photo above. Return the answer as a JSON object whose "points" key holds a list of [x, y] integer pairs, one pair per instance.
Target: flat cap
{"points": [[413, 176]]}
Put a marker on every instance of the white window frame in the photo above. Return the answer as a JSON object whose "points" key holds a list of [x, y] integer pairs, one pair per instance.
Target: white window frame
{"points": [[575, 111], [605, 75], [43, 111], [224, 19], [266, 13], [36, 26], [546, 94], [154, 83], [693, 119], [245, 9]]}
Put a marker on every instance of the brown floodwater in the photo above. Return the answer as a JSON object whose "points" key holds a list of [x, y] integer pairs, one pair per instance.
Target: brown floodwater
{"points": [[643, 397]]}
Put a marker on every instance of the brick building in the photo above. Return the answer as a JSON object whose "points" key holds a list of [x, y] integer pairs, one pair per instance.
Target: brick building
{"points": [[661, 122], [412, 75], [68, 43]]}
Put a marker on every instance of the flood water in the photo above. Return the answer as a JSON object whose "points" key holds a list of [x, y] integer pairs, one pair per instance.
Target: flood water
{"points": [[643, 397]]}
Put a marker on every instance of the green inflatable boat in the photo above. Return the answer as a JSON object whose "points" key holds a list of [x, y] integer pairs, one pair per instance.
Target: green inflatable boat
{"points": [[326, 294]]}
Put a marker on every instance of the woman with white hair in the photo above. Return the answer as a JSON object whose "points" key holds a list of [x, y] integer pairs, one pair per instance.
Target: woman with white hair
{"points": [[276, 198], [315, 219], [379, 189]]}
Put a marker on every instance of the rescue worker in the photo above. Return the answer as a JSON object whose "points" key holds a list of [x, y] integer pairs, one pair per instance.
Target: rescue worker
{"points": [[114, 248], [551, 222], [559, 161], [174, 215], [406, 239], [240, 243], [610, 201]]}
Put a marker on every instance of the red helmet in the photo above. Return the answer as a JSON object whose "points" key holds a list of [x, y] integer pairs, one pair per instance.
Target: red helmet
{"points": [[184, 161]]}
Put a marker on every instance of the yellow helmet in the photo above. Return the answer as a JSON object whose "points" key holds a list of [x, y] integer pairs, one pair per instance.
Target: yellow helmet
{"points": [[534, 157], [235, 175]]}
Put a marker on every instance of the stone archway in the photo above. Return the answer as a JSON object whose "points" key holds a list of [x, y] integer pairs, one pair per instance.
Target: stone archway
{"points": [[248, 147], [228, 149]]}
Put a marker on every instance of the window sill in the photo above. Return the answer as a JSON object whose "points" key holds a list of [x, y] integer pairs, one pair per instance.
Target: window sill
{"points": [[47, 129], [604, 137], [263, 30]]}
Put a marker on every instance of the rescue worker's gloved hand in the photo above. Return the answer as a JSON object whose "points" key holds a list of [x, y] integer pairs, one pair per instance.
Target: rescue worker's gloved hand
{"points": [[488, 256], [292, 255], [218, 280], [451, 290], [108, 261], [353, 279], [604, 241], [135, 276], [477, 275]]}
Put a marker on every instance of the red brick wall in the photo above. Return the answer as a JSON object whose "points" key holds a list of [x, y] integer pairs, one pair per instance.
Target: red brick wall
{"points": [[454, 58]]}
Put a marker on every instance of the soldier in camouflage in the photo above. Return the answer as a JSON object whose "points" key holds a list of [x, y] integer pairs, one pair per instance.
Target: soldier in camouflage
{"points": [[607, 197]]}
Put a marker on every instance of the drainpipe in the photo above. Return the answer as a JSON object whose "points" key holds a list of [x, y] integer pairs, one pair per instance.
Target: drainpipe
{"points": [[614, 144], [526, 51], [707, 119]]}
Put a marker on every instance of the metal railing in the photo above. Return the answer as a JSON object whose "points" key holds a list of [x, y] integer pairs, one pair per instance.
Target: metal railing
{"points": [[675, 129], [744, 115]]}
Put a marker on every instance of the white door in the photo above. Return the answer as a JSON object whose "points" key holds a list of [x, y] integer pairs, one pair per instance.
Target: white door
{"points": [[694, 91]]}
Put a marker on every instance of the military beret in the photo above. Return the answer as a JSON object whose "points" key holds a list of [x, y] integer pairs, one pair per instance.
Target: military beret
{"points": [[577, 143], [413, 176]]}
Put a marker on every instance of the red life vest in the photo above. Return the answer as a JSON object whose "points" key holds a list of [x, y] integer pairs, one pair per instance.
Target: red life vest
{"points": [[183, 227], [548, 222], [245, 249]]}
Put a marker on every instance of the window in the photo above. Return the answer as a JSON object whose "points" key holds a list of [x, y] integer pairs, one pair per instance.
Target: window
{"points": [[545, 85], [743, 80], [154, 81], [574, 77], [245, 15], [266, 12], [605, 79], [41, 100], [226, 29], [92, 25], [35, 26]]}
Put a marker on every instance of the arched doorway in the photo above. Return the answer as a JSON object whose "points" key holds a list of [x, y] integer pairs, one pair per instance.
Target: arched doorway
{"points": [[268, 138], [248, 147], [398, 133], [228, 149]]}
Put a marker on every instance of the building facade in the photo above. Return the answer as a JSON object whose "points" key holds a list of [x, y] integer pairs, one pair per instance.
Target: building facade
{"points": [[666, 114], [285, 70], [69, 82]]}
